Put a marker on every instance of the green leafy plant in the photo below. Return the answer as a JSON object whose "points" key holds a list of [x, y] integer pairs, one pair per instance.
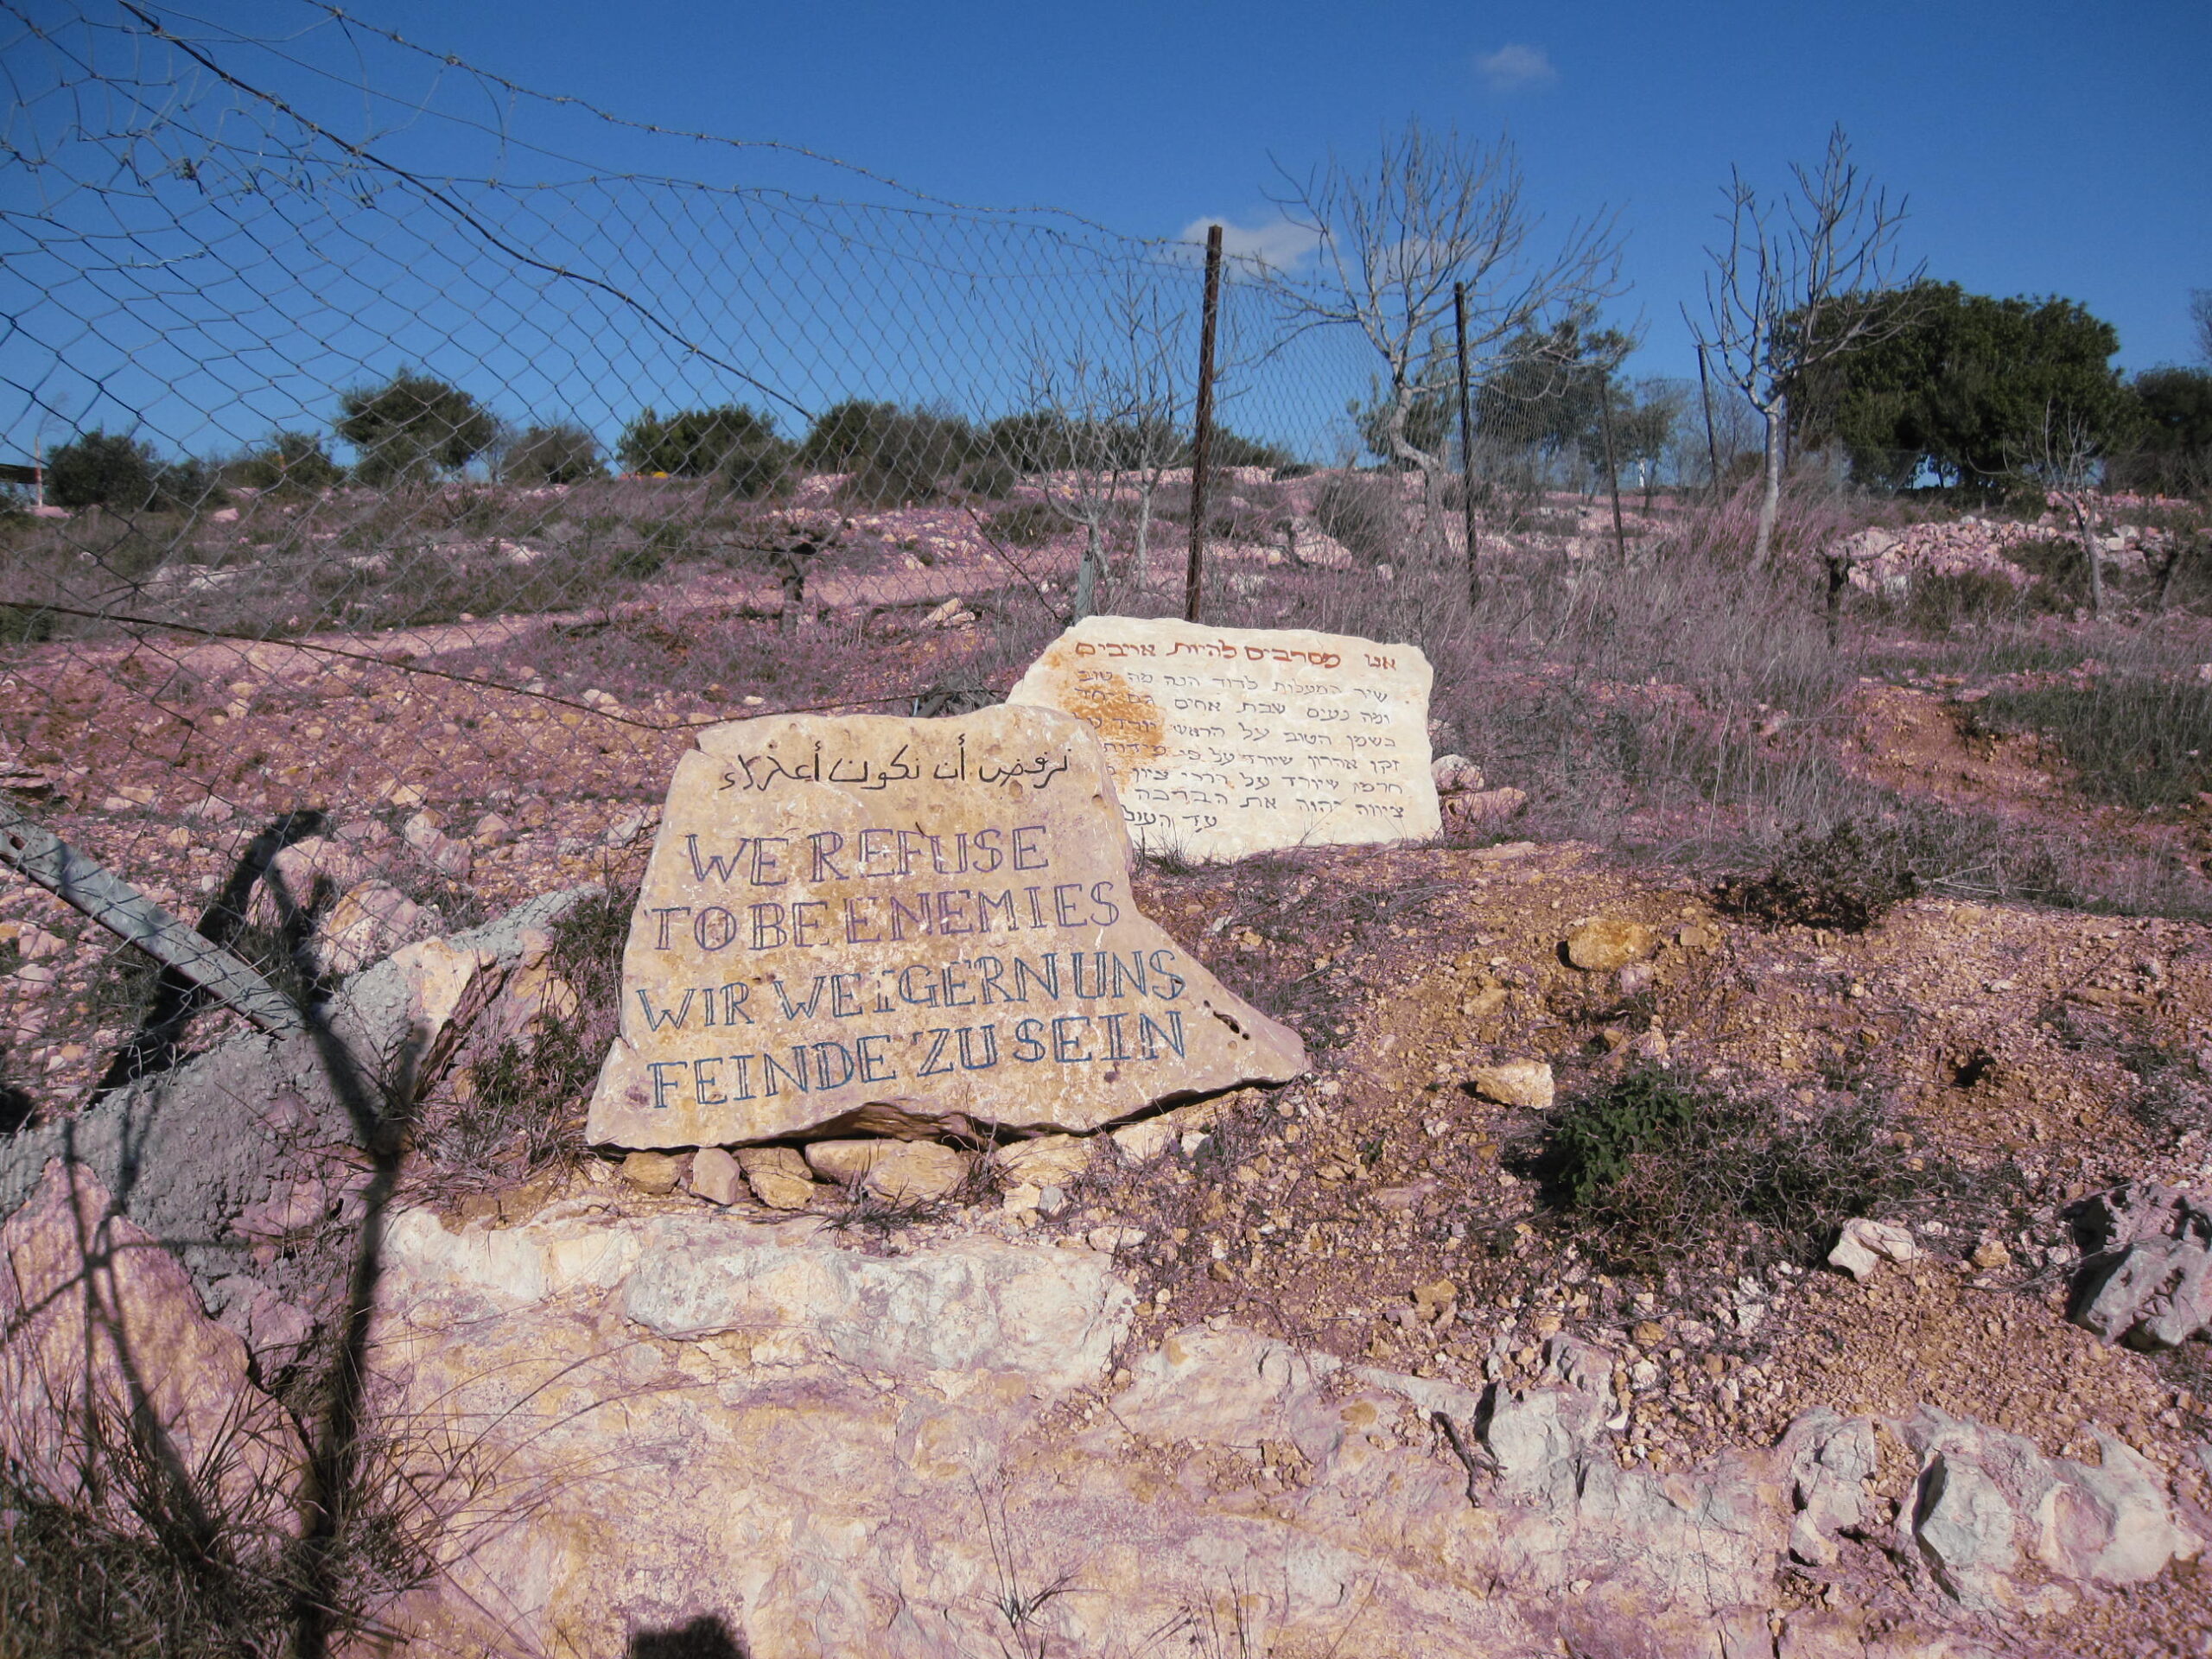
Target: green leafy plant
{"points": [[104, 469], [737, 446], [1841, 880], [1032, 523], [413, 427], [562, 453], [1597, 1136], [1662, 1165], [289, 463]]}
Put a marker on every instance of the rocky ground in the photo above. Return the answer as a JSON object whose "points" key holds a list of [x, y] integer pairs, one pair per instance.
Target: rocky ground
{"points": [[1399, 1209]]}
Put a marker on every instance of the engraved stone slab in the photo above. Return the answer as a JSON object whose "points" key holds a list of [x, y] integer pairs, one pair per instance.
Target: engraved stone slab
{"points": [[1230, 742], [876, 924]]}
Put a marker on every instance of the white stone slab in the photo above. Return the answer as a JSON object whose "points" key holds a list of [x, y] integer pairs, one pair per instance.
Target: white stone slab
{"points": [[1230, 742]]}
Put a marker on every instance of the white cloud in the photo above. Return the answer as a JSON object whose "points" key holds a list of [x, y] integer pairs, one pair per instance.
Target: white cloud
{"points": [[1276, 243], [1512, 67]]}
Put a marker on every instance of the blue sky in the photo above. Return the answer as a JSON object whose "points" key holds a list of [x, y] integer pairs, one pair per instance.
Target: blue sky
{"points": [[2044, 148], [2045, 155]]}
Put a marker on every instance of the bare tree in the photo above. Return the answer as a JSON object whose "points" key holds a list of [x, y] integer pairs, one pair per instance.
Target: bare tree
{"points": [[1789, 290], [1116, 413], [1391, 241], [2066, 458]]}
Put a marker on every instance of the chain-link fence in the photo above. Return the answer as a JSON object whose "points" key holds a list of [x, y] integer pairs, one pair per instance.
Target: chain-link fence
{"points": [[388, 474]]}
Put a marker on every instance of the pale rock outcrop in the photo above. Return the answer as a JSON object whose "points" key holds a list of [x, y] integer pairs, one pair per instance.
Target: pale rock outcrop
{"points": [[821, 1448], [2147, 1280], [103, 1340]]}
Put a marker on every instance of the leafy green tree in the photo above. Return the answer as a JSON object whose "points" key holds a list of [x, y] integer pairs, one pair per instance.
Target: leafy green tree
{"points": [[2172, 455], [738, 446], [1644, 416], [845, 434], [104, 469], [1035, 441], [1961, 385], [413, 427], [895, 454], [562, 453], [1544, 393], [1235, 449], [289, 462]]}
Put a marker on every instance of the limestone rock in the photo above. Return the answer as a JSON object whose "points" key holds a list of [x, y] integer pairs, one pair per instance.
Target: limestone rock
{"points": [[902, 1171], [98, 1321], [304, 877], [891, 926], [1829, 1459], [2147, 1280], [652, 1172], [1862, 1245], [1230, 742], [1986, 1501], [972, 1304], [1604, 944], [1048, 1161], [716, 1176], [1485, 806], [368, 922], [1145, 1140], [775, 1426], [1525, 1083], [777, 1176], [1456, 775]]}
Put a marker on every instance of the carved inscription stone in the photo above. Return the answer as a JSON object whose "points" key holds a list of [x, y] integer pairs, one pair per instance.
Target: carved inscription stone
{"points": [[891, 926], [1230, 742]]}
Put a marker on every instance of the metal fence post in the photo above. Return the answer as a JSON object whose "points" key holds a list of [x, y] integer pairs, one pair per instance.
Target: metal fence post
{"points": [[1466, 443], [1202, 436], [1711, 444], [1612, 466]]}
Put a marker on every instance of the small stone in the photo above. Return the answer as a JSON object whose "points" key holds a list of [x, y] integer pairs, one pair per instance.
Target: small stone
{"points": [[1048, 1161], [902, 1171], [405, 794], [777, 1176], [1108, 1240], [1991, 1254], [717, 1176], [1434, 1300], [1455, 775], [1051, 1201], [652, 1172], [1525, 1083], [368, 923], [1648, 1334], [1485, 806], [1862, 1245], [1604, 944], [493, 831]]}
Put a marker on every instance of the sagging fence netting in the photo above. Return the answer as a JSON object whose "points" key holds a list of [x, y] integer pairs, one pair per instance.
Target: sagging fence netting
{"points": [[394, 488]]}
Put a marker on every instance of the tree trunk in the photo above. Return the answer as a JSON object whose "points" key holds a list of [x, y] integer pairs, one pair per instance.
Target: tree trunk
{"points": [[1770, 486], [1144, 531], [2166, 575], [2087, 524], [1086, 575]]}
